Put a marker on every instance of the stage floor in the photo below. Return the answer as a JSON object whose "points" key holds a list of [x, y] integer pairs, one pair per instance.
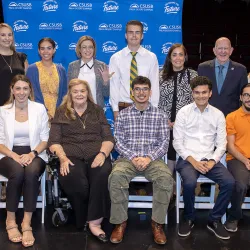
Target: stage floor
{"points": [[138, 235]]}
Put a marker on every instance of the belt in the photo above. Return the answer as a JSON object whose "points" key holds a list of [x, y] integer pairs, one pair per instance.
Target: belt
{"points": [[124, 104]]}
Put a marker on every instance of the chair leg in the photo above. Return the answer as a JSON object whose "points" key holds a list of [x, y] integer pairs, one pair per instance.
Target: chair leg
{"points": [[178, 194], [43, 196]]}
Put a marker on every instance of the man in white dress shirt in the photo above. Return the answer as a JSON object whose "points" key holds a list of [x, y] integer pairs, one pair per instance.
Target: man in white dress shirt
{"points": [[120, 63], [200, 141]]}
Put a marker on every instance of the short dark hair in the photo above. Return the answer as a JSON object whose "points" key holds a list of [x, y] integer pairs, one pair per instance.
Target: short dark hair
{"points": [[134, 22], [142, 80], [201, 81], [245, 86], [47, 39]]}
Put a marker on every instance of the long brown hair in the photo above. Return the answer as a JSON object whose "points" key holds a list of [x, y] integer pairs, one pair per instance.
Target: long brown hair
{"points": [[5, 25], [67, 100]]}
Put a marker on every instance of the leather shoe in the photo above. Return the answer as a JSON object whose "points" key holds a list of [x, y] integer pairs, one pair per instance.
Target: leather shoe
{"points": [[102, 237], [118, 232], [159, 235]]}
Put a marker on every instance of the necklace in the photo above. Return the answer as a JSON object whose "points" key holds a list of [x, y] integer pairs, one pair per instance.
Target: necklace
{"points": [[83, 123], [9, 65]]}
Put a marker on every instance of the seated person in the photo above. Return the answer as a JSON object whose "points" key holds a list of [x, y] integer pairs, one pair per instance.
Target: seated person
{"points": [[81, 138], [199, 128], [142, 138], [24, 133], [238, 157]]}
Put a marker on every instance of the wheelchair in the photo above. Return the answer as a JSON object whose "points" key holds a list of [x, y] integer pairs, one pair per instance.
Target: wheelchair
{"points": [[54, 193]]}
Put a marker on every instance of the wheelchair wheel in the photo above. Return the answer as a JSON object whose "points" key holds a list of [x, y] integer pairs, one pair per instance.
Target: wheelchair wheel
{"points": [[56, 219]]}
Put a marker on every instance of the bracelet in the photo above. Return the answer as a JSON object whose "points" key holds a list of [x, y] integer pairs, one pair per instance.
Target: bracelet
{"points": [[212, 160], [103, 154]]}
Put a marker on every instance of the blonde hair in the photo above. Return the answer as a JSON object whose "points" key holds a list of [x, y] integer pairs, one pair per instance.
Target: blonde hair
{"points": [[67, 100], [79, 43], [14, 80], [5, 25]]}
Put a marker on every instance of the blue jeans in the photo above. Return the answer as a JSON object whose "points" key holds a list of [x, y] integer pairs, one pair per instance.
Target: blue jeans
{"points": [[219, 174]]}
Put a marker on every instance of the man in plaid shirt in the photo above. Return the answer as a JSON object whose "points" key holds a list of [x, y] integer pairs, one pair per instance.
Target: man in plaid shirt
{"points": [[142, 138]]}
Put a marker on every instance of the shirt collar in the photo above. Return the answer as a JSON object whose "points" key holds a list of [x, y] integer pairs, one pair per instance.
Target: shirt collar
{"points": [[196, 108], [226, 65], [134, 107], [127, 50], [89, 64], [242, 112]]}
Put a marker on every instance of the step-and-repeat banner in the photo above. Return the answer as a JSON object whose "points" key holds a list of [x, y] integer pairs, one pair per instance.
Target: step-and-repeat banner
{"points": [[66, 21]]}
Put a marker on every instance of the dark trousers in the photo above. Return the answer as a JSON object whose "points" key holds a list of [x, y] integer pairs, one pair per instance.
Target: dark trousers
{"points": [[22, 178], [241, 175], [219, 174], [87, 189]]}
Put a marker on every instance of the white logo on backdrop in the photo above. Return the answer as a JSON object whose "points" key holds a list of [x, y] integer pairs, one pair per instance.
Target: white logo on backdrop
{"points": [[72, 46], [23, 46], [110, 6], [141, 7], [20, 25], [80, 6], [170, 28], [172, 8], [80, 26], [50, 5], [109, 47], [57, 46], [50, 26], [165, 47], [110, 26], [145, 27], [20, 6], [147, 46]]}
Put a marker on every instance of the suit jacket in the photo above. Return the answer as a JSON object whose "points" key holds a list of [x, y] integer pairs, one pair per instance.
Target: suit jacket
{"points": [[229, 98], [38, 126], [101, 89]]}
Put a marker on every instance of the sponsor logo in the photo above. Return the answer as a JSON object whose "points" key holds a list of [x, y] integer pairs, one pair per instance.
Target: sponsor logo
{"points": [[141, 7], [171, 8], [23, 46], [80, 26], [110, 122], [20, 6], [110, 6], [57, 46], [145, 27], [50, 5], [109, 47], [20, 25], [110, 26], [165, 48], [147, 46], [72, 46], [50, 26], [170, 28], [80, 6]]}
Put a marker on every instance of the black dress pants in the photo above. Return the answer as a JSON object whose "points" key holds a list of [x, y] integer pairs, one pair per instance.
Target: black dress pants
{"points": [[26, 179], [87, 189]]}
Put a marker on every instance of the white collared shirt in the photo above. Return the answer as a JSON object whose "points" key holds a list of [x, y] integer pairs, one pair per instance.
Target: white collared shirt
{"points": [[87, 73], [196, 134], [147, 65]]}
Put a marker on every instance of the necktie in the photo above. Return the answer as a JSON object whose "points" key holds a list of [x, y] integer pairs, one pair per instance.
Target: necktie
{"points": [[133, 72], [220, 79]]}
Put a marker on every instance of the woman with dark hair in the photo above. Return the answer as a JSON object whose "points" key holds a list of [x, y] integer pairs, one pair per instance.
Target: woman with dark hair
{"points": [[175, 90], [93, 71], [24, 133], [81, 138], [49, 80]]}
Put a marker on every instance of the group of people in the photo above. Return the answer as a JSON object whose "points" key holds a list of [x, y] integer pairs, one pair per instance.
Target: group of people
{"points": [[176, 111]]}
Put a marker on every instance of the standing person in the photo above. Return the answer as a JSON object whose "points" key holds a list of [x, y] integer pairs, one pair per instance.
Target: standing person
{"points": [[200, 141], [129, 62], [24, 133], [11, 62], [49, 80], [238, 157], [175, 90], [93, 71], [142, 138]]}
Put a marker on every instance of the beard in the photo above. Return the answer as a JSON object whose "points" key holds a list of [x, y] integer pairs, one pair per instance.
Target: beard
{"points": [[247, 108]]}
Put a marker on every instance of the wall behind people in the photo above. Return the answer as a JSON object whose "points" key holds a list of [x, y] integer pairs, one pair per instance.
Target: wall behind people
{"points": [[66, 21]]}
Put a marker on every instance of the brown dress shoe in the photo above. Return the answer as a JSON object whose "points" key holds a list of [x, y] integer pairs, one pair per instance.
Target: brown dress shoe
{"points": [[159, 235], [118, 232]]}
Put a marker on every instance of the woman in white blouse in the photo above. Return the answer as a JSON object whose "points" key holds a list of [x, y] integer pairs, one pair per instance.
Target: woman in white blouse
{"points": [[87, 68], [24, 134]]}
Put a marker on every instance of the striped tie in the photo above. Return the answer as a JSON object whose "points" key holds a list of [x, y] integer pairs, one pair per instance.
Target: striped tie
{"points": [[133, 72]]}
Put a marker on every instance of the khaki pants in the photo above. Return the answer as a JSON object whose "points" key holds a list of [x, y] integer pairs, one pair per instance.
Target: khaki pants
{"points": [[123, 172]]}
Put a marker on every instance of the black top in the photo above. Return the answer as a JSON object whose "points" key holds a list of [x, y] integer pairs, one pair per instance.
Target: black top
{"points": [[16, 62]]}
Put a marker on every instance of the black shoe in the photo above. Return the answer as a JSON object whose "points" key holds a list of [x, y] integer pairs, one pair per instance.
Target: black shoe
{"points": [[185, 228], [102, 237], [218, 229], [231, 225]]}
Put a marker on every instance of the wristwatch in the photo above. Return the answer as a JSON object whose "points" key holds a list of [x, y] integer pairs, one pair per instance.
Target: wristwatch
{"points": [[212, 160], [35, 153]]}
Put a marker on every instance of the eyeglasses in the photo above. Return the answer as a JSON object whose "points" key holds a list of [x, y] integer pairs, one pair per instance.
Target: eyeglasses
{"points": [[246, 95], [87, 47], [144, 90]]}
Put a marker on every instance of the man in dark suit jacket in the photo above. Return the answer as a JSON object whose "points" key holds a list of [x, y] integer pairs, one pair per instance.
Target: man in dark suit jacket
{"points": [[227, 85]]}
